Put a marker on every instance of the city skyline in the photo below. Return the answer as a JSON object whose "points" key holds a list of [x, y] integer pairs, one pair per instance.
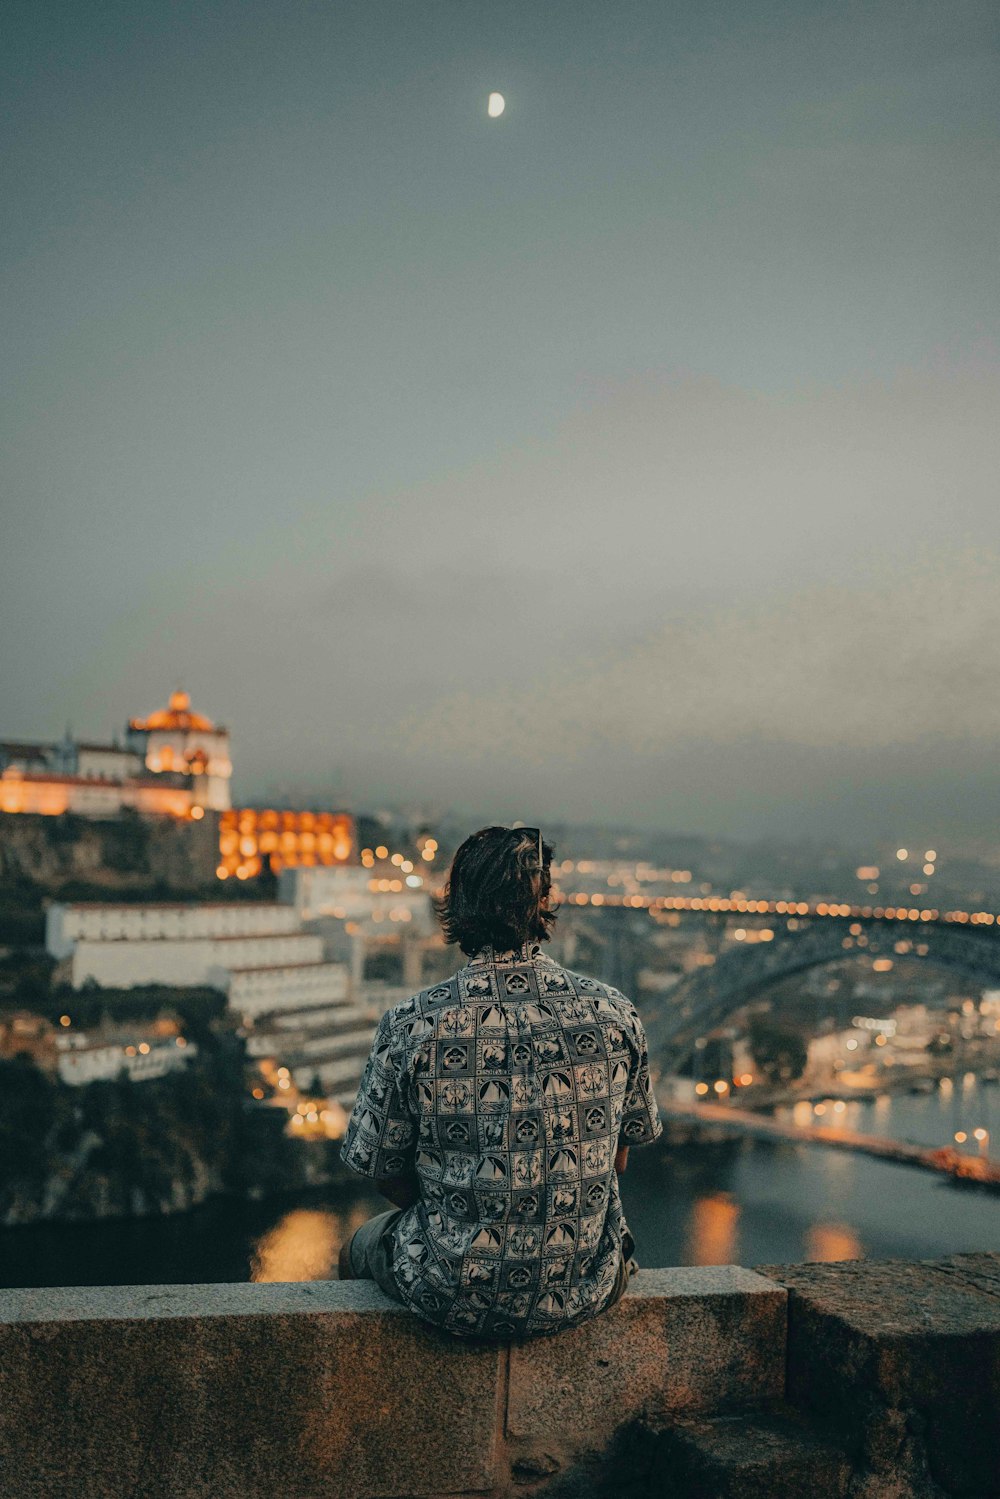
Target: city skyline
{"points": [[627, 458]]}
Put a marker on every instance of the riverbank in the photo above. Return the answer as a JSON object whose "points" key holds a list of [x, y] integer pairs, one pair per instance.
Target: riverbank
{"points": [[118, 1150], [978, 1170], [929, 1119], [981, 1062], [729, 1201]]}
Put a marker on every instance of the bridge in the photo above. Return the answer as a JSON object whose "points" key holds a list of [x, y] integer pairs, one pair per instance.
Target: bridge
{"points": [[742, 905], [808, 935]]}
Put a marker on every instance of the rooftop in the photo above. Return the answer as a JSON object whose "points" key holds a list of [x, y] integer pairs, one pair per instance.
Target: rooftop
{"points": [[177, 905], [178, 714]]}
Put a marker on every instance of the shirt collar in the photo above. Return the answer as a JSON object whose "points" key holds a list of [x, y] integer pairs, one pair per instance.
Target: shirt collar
{"points": [[529, 952]]}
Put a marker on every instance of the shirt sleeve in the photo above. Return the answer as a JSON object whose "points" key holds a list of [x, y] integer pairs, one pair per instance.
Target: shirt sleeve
{"points": [[641, 1120], [381, 1134]]}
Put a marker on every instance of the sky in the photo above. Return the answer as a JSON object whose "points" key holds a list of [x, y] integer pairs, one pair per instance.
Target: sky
{"points": [[631, 458]]}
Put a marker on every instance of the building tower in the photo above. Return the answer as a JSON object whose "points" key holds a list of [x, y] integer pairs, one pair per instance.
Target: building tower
{"points": [[177, 740]]}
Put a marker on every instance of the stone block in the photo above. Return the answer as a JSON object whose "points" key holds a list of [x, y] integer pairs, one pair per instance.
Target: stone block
{"points": [[324, 1391], [903, 1358], [773, 1455], [981, 1271], [693, 1339]]}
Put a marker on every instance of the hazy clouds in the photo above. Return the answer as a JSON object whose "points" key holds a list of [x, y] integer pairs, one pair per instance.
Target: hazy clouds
{"points": [[631, 457]]}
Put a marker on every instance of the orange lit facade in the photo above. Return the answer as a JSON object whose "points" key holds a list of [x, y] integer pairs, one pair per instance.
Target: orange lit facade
{"points": [[52, 795], [175, 763], [251, 840], [177, 740]]}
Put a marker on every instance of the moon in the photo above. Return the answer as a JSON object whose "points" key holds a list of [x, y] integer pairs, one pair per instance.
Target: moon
{"points": [[495, 106]]}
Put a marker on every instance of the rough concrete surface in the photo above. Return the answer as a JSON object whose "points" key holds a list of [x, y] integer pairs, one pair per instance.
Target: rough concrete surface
{"points": [[330, 1391], [982, 1271], [685, 1339], [282, 1394], [903, 1359], [157, 1303], [771, 1455]]}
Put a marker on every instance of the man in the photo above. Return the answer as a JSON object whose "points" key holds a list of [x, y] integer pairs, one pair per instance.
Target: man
{"points": [[496, 1110]]}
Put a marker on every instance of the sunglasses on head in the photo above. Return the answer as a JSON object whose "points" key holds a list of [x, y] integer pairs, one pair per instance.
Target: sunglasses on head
{"points": [[532, 833]]}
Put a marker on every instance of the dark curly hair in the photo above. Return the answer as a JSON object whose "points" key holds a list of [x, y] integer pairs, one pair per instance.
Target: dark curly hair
{"points": [[497, 894]]}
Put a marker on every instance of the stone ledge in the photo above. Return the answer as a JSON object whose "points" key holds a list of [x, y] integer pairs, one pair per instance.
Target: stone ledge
{"points": [[159, 1303], [902, 1359], [767, 1455], [689, 1339], [215, 1392], [332, 1391]]}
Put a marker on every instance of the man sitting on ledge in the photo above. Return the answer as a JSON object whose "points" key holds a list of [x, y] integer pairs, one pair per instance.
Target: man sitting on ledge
{"points": [[496, 1110]]}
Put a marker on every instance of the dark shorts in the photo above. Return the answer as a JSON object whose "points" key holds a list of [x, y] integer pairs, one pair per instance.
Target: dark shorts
{"points": [[622, 1278], [369, 1251]]}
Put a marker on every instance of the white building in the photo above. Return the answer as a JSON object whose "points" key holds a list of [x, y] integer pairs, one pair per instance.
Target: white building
{"points": [[186, 961], [103, 762], [81, 1059], [98, 921], [119, 946], [330, 1045], [370, 911], [350, 892], [832, 1050], [176, 739], [297, 1010], [257, 991]]}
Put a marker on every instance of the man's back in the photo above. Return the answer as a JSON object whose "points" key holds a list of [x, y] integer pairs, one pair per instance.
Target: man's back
{"points": [[508, 1088]]}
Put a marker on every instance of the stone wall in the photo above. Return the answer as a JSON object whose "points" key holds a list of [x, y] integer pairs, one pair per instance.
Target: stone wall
{"points": [[117, 854], [873, 1380]]}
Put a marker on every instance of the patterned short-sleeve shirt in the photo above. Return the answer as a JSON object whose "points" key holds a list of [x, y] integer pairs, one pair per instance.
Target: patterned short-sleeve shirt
{"points": [[508, 1088]]}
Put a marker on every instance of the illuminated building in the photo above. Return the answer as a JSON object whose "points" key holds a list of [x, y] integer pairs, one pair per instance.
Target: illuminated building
{"points": [[352, 894], [175, 763], [376, 911], [82, 1059], [250, 839], [51, 794], [177, 740], [328, 1043], [79, 1056], [294, 1007]]}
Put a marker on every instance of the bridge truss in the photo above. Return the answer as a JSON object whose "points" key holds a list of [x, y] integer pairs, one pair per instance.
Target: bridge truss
{"points": [[706, 998]]}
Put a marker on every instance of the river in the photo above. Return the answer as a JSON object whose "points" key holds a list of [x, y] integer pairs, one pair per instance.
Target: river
{"points": [[740, 1201]]}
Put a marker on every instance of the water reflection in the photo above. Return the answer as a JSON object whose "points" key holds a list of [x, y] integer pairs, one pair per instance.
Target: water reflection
{"points": [[712, 1231], [833, 1241], [303, 1245], [949, 1113], [734, 1201]]}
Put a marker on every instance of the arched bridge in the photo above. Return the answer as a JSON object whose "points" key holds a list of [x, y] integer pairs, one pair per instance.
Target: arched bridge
{"points": [[704, 999]]}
